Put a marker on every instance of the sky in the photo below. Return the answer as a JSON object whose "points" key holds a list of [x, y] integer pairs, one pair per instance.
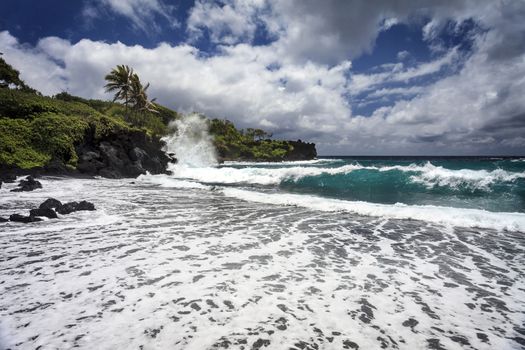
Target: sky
{"points": [[357, 77]]}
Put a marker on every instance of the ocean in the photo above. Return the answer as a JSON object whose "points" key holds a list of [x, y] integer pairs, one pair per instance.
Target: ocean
{"points": [[334, 253]]}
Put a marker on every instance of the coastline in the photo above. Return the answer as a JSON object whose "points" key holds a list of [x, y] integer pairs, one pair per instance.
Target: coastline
{"points": [[192, 268]]}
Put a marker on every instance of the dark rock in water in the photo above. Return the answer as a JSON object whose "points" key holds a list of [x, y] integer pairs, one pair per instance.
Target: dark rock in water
{"points": [[85, 205], [29, 184], [70, 207], [67, 208], [24, 219], [3, 219], [50, 203], [47, 212]]}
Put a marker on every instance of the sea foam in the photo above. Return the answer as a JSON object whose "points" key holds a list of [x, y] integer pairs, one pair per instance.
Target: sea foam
{"points": [[428, 175], [435, 214]]}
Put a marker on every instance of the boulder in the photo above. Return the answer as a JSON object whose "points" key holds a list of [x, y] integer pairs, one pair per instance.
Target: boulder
{"points": [[3, 219], [29, 184], [85, 205], [47, 212], [70, 207], [67, 208], [24, 219], [50, 203]]}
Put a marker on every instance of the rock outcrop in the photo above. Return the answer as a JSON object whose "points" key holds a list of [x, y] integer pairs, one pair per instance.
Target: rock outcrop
{"points": [[129, 154], [48, 213], [301, 151], [49, 208], [28, 184], [22, 218]]}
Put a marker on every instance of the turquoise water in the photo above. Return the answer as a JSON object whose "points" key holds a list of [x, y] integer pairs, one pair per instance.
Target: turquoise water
{"points": [[493, 184]]}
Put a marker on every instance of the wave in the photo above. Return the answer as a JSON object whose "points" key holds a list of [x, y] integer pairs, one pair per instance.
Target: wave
{"points": [[427, 175], [451, 216], [284, 163], [168, 181], [431, 176], [435, 214]]}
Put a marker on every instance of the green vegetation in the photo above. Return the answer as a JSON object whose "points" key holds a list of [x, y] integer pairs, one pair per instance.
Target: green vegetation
{"points": [[255, 144], [127, 87], [10, 77], [37, 130]]}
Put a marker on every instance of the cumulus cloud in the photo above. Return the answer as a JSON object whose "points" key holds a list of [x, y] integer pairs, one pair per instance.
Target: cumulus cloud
{"points": [[227, 23], [300, 84]]}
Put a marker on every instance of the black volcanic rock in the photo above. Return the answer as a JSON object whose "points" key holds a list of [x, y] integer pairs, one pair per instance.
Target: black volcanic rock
{"points": [[22, 218], [70, 207], [47, 212], [29, 184], [85, 205], [50, 203], [301, 151], [67, 208]]}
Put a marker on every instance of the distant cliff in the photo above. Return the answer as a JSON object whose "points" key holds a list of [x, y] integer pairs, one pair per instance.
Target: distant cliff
{"points": [[255, 145]]}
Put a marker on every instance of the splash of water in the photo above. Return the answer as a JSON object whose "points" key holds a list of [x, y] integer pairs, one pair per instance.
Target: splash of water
{"points": [[191, 143]]}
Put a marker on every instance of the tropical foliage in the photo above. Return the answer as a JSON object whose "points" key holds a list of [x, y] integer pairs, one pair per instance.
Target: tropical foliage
{"points": [[252, 144], [10, 77], [126, 85]]}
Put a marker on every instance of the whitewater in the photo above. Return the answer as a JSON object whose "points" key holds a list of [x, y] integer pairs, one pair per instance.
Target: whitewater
{"points": [[333, 253]]}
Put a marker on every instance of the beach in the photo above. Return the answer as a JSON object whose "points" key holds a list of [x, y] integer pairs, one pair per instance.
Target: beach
{"points": [[188, 265]]}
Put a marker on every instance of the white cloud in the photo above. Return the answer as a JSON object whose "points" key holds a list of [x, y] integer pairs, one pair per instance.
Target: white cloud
{"points": [[403, 55], [227, 24], [141, 13]]}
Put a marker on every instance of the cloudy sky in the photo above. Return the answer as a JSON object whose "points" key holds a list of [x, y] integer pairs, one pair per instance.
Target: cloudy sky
{"points": [[357, 77]]}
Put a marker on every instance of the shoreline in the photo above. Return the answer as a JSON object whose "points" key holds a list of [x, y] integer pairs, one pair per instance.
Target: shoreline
{"points": [[196, 269]]}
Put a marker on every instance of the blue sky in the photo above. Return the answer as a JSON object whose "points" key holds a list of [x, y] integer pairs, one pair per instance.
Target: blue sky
{"points": [[356, 77]]}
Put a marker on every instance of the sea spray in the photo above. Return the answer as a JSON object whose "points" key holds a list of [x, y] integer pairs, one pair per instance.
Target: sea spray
{"points": [[191, 143]]}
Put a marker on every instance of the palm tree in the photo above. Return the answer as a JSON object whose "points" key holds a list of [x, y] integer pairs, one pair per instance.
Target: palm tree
{"points": [[139, 96], [127, 87], [120, 80]]}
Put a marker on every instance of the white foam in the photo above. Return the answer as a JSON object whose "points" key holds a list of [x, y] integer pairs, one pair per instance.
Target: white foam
{"points": [[191, 142], [255, 175], [428, 175], [285, 163], [434, 214], [168, 181], [431, 175]]}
